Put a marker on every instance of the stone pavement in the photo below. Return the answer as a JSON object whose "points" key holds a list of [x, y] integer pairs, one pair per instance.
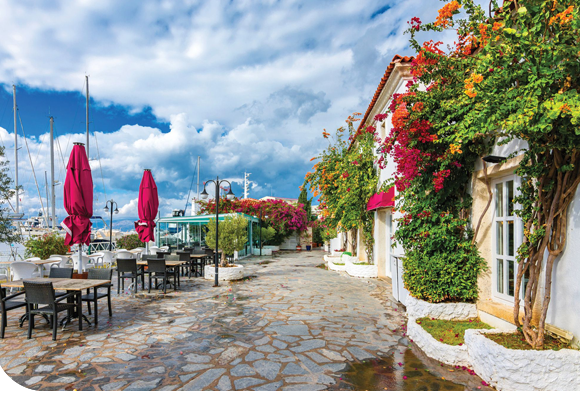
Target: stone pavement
{"points": [[287, 325]]}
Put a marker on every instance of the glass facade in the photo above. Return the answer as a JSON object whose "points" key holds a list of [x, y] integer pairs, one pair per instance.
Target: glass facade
{"points": [[180, 232]]}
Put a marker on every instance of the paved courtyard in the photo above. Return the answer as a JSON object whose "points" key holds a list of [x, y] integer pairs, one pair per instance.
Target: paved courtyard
{"points": [[288, 325]]}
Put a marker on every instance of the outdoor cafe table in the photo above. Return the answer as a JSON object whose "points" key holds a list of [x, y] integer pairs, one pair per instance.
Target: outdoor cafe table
{"points": [[168, 264], [60, 284]]}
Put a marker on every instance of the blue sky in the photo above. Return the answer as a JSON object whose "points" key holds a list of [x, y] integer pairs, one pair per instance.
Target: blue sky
{"points": [[247, 86]]}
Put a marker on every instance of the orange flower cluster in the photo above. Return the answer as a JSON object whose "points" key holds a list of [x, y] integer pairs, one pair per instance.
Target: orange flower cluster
{"points": [[564, 17], [565, 108], [484, 34], [418, 107], [401, 115], [455, 148], [497, 26], [469, 84], [443, 19], [325, 134]]}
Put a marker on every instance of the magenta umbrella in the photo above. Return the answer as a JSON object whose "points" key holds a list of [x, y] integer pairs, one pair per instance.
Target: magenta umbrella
{"points": [[147, 207], [78, 199]]}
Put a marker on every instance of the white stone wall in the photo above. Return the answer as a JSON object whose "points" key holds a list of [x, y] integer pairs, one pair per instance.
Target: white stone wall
{"points": [[224, 274], [336, 267], [507, 369], [360, 271], [452, 355], [449, 311]]}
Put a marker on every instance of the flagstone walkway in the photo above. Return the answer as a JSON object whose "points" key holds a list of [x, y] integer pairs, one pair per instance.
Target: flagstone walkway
{"points": [[287, 326]]}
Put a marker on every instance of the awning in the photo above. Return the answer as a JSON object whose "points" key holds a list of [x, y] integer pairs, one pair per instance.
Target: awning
{"points": [[382, 199]]}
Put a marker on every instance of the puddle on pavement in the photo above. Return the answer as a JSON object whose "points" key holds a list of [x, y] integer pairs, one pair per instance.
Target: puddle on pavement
{"points": [[408, 369]]}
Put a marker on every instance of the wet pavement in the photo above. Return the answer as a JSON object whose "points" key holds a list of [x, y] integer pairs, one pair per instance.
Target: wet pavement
{"points": [[287, 325]]}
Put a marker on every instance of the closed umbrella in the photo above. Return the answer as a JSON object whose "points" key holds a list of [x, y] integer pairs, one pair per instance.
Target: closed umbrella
{"points": [[147, 207], [78, 200]]}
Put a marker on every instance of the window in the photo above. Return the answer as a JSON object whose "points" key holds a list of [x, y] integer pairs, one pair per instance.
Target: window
{"points": [[507, 236]]}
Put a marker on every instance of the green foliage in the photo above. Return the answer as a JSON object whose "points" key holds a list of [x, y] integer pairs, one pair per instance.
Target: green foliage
{"points": [[345, 178], [450, 332], [8, 233], [268, 235], [317, 234], [233, 235], [129, 242], [307, 204], [44, 246]]}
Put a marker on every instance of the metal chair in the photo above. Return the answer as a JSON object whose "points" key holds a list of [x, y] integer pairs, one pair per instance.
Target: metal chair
{"points": [[157, 266], [101, 274], [39, 293], [7, 304], [127, 268], [162, 254], [186, 256]]}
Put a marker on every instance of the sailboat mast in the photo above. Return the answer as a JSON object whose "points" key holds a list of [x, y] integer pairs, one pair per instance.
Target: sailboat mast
{"points": [[52, 196], [87, 146], [16, 151], [197, 178]]}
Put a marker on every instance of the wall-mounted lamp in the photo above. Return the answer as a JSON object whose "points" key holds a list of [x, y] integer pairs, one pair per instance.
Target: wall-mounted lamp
{"points": [[493, 159]]}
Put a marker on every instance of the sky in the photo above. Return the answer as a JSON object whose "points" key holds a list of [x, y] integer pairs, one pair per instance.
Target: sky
{"points": [[248, 86]]}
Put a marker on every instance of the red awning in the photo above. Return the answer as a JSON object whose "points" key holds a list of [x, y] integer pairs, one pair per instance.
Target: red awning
{"points": [[382, 199]]}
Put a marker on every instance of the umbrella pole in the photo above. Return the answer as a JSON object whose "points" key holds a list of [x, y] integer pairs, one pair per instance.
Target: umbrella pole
{"points": [[80, 258]]}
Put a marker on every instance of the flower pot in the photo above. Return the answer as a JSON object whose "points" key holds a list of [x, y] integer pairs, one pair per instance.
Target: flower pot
{"points": [[298, 248], [308, 247], [360, 270], [84, 275], [224, 274]]}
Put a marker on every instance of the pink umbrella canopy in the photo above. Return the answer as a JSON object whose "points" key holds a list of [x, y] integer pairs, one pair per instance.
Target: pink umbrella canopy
{"points": [[147, 207], [78, 197]]}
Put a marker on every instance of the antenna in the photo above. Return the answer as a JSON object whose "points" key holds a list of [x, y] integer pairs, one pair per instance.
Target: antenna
{"points": [[246, 185]]}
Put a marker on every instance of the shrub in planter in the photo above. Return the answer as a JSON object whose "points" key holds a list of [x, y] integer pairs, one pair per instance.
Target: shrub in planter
{"points": [[45, 245], [233, 236], [129, 242]]}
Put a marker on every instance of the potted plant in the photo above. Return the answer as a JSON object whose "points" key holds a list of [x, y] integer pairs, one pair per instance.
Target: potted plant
{"points": [[306, 238], [232, 238]]}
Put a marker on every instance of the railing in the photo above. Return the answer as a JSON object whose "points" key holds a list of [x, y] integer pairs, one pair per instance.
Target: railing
{"points": [[99, 246]]}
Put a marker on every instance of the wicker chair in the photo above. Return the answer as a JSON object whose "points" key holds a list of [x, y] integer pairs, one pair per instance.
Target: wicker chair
{"points": [[65, 273], [40, 293], [185, 256], [127, 268], [7, 305], [101, 274], [156, 268]]}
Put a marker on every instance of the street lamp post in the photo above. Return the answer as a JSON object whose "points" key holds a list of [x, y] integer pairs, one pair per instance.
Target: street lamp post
{"points": [[230, 195], [116, 211], [260, 228]]}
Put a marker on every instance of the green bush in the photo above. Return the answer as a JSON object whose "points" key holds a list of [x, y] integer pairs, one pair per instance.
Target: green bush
{"points": [[443, 266], [233, 235], [45, 245], [129, 242]]}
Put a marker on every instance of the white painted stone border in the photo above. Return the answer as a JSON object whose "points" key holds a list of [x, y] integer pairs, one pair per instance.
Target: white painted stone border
{"points": [[332, 258], [360, 271], [271, 247], [336, 267], [507, 369], [452, 355], [449, 311], [224, 274]]}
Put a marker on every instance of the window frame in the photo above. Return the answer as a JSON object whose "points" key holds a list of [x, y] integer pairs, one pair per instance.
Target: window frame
{"points": [[518, 237]]}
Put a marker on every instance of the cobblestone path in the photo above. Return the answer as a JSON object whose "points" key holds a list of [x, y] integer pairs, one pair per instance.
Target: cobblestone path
{"points": [[287, 325]]}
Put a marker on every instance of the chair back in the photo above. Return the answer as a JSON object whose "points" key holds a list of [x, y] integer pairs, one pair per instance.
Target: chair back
{"points": [[33, 259], [153, 250], [124, 255], [190, 249], [162, 254], [66, 273], [108, 256], [184, 255], [39, 292], [126, 265], [148, 256], [156, 265], [164, 248], [172, 257], [63, 260], [101, 273], [84, 260], [209, 252], [199, 251], [23, 270]]}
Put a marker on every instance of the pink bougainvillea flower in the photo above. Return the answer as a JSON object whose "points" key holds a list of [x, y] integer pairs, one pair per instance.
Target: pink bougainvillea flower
{"points": [[348, 189], [355, 162], [405, 377]]}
